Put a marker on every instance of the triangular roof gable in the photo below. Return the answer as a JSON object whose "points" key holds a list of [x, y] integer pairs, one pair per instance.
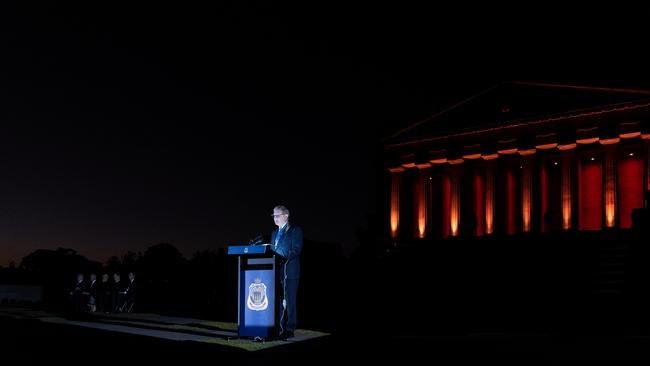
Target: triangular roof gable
{"points": [[511, 102]]}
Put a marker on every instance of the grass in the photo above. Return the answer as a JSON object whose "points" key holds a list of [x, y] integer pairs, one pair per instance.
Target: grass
{"points": [[154, 321], [249, 345]]}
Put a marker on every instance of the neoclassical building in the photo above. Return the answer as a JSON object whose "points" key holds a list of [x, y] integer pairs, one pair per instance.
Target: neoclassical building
{"points": [[522, 157]]}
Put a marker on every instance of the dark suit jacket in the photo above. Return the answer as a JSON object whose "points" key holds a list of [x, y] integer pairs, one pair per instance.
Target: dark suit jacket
{"points": [[130, 289], [92, 288], [79, 287], [289, 248]]}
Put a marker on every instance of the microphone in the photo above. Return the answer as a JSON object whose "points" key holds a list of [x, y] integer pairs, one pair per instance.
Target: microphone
{"points": [[257, 240]]}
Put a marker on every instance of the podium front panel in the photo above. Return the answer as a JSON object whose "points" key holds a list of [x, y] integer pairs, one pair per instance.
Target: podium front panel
{"points": [[258, 305], [258, 286]]}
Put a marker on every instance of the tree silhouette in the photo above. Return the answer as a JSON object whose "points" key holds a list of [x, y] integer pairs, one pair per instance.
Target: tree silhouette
{"points": [[130, 262], [207, 271], [163, 261], [56, 270], [113, 265], [162, 278], [372, 243], [61, 260]]}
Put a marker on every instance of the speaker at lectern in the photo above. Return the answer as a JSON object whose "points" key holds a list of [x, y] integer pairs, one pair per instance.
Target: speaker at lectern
{"points": [[257, 290]]}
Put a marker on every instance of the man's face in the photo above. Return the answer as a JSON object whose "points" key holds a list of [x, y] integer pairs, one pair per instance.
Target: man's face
{"points": [[93, 277], [131, 276], [80, 278], [279, 218]]}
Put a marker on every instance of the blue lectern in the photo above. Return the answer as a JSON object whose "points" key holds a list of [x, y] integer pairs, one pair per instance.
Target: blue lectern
{"points": [[257, 286]]}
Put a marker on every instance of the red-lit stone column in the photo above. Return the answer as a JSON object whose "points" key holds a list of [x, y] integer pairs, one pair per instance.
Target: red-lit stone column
{"points": [[422, 199], [454, 200], [543, 196], [609, 183], [446, 204], [546, 141], [511, 197], [567, 159], [527, 193], [395, 184], [490, 169], [646, 164], [479, 203]]}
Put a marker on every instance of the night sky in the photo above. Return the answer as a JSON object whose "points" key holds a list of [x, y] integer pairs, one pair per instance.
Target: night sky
{"points": [[123, 126]]}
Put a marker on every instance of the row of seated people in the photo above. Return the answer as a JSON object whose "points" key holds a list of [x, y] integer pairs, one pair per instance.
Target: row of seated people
{"points": [[106, 296]]}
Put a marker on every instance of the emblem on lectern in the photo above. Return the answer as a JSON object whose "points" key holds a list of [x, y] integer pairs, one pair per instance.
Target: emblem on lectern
{"points": [[257, 299]]}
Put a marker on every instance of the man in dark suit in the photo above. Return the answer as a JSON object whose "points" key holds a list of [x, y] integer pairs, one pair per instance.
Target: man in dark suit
{"points": [[78, 296], [91, 292], [286, 241], [130, 293], [119, 294], [104, 294]]}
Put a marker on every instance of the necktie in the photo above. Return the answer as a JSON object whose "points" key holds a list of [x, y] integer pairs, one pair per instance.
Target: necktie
{"points": [[278, 236]]}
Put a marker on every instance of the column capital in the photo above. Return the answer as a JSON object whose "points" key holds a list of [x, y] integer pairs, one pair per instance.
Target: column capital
{"points": [[506, 147], [567, 146], [546, 142], [472, 151], [630, 130], [527, 152], [586, 136]]}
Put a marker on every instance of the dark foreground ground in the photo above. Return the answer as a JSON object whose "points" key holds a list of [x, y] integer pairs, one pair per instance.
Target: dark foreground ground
{"points": [[31, 342]]}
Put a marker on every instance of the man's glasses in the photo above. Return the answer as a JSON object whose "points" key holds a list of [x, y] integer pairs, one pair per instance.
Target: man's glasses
{"points": [[278, 215]]}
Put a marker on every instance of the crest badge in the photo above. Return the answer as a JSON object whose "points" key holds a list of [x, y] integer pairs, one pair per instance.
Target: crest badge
{"points": [[257, 299]]}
